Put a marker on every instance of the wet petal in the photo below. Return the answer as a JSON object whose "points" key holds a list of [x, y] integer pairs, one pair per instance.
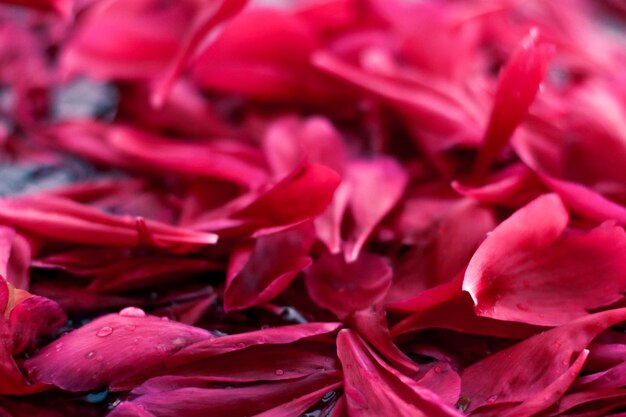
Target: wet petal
{"points": [[111, 348], [530, 269]]}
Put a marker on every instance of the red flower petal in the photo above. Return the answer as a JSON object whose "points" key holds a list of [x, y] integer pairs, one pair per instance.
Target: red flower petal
{"points": [[58, 218], [111, 348], [344, 288], [517, 87], [197, 398], [559, 284], [269, 267], [542, 359], [372, 388], [376, 186], [304, 194]]}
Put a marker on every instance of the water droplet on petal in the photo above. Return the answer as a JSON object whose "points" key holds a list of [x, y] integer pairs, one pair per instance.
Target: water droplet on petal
{"points": [[437, 369], [522, 307], [132, 312], [131, 327], [492, 399], [179, 341], [90, 355], [105, 331], [165, 318], [58, 346], [279, 372]]}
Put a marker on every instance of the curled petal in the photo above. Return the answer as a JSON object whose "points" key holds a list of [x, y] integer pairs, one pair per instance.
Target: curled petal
{"points": [[530, 269], [343, 287]]}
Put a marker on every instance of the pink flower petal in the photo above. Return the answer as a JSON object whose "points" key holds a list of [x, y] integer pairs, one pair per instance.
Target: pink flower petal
{"points": [[230, 161], [560, 283], [111, 348], [518, 84], [373, 388], [271, 265], [376, 186], [344, 288], [542, 360], [552, 393], [304, 194], [63, 219], [197, 398]]}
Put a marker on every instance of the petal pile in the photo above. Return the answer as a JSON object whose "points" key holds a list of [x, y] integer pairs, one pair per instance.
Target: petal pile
{"points": [[312, 208]]}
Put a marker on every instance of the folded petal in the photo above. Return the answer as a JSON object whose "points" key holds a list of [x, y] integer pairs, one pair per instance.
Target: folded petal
{"points": [[518, 84], [344, 288], [271, 265], [530, 269], [376, 186], [302, 195], [373, 388], [197, 398], [540, 361]]}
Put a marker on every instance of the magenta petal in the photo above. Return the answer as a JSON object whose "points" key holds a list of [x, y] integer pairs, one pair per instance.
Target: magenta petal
{"points": [[34, 318], [205, 21], [231, 343], [560, 282], [274, 262], [288, 142], [227, 160], [542, 359], [111, 348], [58, 218], [197, 398], [376, 186], [344, 288], [552, 393], [371, 323], [586, 202], [373, 388], [517, 87], [304, 194], [62, 7]]}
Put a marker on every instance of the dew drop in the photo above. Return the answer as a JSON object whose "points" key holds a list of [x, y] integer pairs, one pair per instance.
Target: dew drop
{"points": [[437, 369], [522, 307], [58, 346], [179, 341], [492, 399], [105, 331], [165, 318], [279, 372], [90, 355], [132, 312]]}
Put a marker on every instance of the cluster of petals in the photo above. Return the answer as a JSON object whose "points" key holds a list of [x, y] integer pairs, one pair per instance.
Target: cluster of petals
{"points": [[323, 208]]}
